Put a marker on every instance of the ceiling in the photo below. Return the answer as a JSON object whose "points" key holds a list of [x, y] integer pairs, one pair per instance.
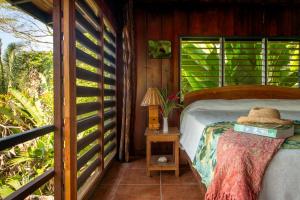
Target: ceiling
{"points": [[260, 2], [42, 9]]}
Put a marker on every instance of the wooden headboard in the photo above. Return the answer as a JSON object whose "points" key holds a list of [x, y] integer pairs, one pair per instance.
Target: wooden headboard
{"points": [[243, 92]]}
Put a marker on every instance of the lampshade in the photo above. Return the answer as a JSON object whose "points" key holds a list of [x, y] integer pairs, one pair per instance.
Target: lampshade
{"points": [[151, 97]]}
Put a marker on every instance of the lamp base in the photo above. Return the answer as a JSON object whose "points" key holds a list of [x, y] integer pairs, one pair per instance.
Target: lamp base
{"points": [[153, 122]]}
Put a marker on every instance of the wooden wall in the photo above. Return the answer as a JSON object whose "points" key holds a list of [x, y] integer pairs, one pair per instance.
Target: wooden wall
{"points": [[169, 23]]}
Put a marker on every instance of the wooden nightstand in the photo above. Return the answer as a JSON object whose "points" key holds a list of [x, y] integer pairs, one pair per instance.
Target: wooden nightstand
{"points": [[173, 160]]}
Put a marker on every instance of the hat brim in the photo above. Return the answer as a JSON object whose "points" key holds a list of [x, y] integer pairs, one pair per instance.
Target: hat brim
{"points": [[246, 119]]}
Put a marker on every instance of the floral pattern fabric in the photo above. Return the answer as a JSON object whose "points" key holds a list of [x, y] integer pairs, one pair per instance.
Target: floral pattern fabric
{"points": [[205, 160]]}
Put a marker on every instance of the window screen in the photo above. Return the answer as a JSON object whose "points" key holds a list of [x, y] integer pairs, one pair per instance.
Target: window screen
{"points": [[213, 62], [283, 63], [199, 64], [243, 62]]}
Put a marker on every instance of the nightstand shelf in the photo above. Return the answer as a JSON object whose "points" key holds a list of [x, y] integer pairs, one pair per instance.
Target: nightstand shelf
{"points": [[155, 165], [172, 160]]}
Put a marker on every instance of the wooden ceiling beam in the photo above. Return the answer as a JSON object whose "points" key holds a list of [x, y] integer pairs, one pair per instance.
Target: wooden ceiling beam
{"points": [[20, 2], [215, 2], [33, 10]]}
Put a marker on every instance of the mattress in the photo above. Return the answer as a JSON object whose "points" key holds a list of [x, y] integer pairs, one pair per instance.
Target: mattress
{"points": [[282, 178]]}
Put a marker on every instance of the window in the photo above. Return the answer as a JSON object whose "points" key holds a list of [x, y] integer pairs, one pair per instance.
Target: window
{"points": [[283, 63], [200, 66], [213, 62], [243, 62]]}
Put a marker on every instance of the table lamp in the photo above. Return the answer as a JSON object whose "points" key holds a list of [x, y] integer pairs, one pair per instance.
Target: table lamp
{"points": [[152, 99]]}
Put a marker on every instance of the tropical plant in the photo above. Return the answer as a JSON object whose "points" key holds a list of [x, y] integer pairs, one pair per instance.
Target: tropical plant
{"points": [[8, 63], [3, 85], [169, 102], [23, 162], [26, 99], [31, 73]]}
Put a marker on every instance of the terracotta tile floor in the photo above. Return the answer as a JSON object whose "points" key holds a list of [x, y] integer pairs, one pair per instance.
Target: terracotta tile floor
{"points": [[128, 181]]}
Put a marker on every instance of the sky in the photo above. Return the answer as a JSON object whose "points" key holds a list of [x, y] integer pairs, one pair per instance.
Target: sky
{"points": [[7, 38], [22, 19]]}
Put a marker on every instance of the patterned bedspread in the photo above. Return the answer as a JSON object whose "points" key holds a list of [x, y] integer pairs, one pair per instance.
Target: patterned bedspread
{"points": [[205, 159]]}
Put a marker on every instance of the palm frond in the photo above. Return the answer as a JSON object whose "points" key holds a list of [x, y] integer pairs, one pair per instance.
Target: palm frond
{"points": [[29, 106]]}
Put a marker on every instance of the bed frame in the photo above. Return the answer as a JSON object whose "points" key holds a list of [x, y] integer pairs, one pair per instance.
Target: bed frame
{"points": [[238, 92], [243, 92]]}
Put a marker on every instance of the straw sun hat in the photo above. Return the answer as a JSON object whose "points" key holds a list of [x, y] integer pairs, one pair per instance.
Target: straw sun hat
{"points": [[263, 115]]}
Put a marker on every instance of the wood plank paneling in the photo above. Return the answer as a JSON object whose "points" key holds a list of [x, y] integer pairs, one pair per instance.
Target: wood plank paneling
{"points": [[170, 22], [295, 21], [248, 21], [167, 34], [211, 27], [227, 26], [154, 29]]}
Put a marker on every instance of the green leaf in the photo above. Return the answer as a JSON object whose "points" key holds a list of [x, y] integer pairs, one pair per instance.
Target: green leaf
{"points": [[29, 106], [14, 183], [19, 160], [5, 191], [7, 112]]}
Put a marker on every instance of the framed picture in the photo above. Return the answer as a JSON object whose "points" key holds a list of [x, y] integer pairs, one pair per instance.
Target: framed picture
{"points": [[159, 49]]}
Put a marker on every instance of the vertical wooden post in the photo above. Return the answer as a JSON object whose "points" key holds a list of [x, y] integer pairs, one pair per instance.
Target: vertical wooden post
{"points": [[58, 101], [222, 63], [265, 62], [70, 130], [101, 84], [299, 68], [117, 51]]}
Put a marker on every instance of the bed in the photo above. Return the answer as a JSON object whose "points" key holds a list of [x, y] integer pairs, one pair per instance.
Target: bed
{"points": [[282, 178]]}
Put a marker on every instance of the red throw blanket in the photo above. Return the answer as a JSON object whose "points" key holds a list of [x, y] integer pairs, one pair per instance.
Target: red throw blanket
{"points": [[241, 162]]}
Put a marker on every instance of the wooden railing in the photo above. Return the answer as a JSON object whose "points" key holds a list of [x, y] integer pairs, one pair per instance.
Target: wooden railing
{"points": [[20, 138], [16, 139]]}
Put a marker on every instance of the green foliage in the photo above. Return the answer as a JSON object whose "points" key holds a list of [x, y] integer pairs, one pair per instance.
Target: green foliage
{"points": [[8, 62], [26, 103], [200, 64], [197, 62], [25, 162], [12, 118], [243, 65], [29, 108]]}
